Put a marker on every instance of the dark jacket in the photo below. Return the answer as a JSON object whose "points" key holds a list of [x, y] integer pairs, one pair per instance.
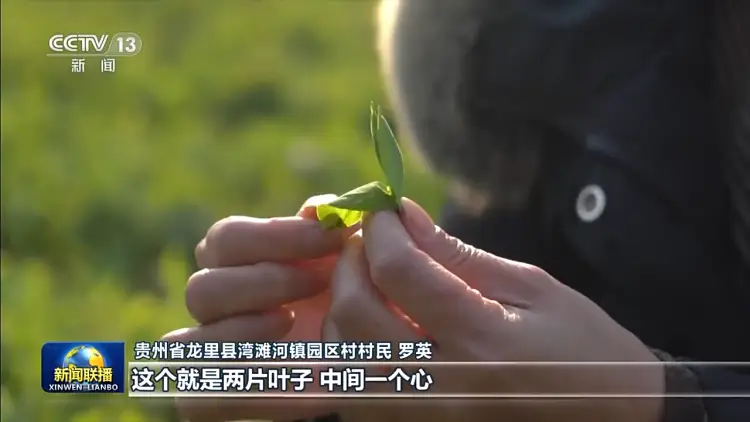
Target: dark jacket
{"points": [[640, 160], [635, 205]]}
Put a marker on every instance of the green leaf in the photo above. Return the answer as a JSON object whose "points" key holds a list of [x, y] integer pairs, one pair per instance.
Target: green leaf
{"points": [[388, 151], [332, 217], [347, 209], [372, 197]]}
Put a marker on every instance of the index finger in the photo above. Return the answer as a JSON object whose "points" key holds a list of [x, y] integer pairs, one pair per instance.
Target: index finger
{"points": [[437, 300], [236, 241]]}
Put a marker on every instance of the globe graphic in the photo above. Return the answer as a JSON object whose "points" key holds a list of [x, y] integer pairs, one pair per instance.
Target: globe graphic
{"points": [[84, 357]]}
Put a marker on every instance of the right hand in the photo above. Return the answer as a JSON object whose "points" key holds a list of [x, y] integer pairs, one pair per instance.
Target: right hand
{"points": [[262, 280]]}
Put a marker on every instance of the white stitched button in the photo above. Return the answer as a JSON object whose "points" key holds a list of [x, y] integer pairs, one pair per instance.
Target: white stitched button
{"points": [[590, 203]]}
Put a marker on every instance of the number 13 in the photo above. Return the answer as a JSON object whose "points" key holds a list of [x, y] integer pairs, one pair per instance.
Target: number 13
{"points": [[131, 47]]}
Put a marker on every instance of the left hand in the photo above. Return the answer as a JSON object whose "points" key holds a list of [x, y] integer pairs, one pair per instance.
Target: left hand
{"points": [[406, 279]]}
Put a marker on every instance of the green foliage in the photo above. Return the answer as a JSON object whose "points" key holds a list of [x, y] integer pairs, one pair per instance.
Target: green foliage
{"points": [[109, 180], [347, 209], [388, 152]]}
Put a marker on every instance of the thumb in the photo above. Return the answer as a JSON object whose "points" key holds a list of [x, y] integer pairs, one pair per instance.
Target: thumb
{"points": [[479, 269], [453, 254]]}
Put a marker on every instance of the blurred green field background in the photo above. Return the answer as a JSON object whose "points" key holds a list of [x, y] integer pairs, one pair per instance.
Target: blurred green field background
{"points": [[109, 180]]}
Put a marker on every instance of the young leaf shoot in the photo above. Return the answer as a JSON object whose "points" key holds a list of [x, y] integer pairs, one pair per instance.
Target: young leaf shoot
{"points": [[388, 152], [347, 210]]}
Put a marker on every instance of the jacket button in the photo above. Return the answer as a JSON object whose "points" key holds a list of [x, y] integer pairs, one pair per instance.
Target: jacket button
{"points": [[590, 203]]}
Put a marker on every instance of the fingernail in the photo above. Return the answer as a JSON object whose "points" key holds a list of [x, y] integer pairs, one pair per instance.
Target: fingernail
{"points": [[417, 220], [175, 333]]}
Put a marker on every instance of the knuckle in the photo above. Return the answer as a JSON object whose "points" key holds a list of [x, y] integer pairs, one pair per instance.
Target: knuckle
{"points": [[535, 272], [461, 253], [279, 280]]}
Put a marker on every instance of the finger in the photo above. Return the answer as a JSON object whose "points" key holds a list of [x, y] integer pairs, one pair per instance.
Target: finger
{"points": [[268, 326], [329, 332], [510, 282], [437, 300], [237, 241], [213, 294], [202, 258], [308, 209], [358, 311]]}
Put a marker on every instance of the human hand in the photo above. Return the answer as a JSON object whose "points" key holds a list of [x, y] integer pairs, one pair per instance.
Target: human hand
{"points": [[406, 279], [262, 280]]}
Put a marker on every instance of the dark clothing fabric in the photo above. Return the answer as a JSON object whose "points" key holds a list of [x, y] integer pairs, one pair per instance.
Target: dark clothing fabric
{"points": [[649, 101], [680, 380], [703, 325], [732, 55], [651, 104], [633, 260]]}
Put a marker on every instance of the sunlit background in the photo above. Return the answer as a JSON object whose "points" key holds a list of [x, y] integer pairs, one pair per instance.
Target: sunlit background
{"points": [[110, 179]]}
